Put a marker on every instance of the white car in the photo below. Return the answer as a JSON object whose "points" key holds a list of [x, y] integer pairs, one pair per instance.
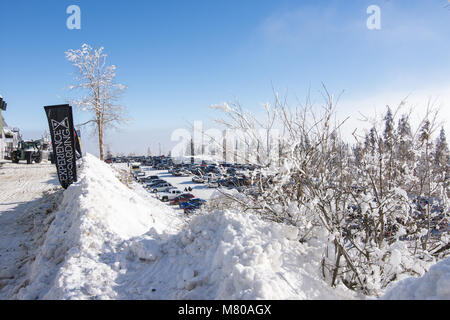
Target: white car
{"points": [[169, 195], [138, 174], [213, 184], [185, 173], [198, 179], [212, 176], [161, 187], [135, 167]]}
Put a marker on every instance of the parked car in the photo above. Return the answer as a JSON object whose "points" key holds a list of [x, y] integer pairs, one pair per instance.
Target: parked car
{"points": [[160, 187], [169, 195], [193, 205], [198, 179], [138, 174], [198, 172], [181, 173], [192, 202], [213, 184], [135, 167], [185, 197], [152, 183], [147, 178]]}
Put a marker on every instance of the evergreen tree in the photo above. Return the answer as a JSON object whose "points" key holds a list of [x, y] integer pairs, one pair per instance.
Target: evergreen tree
{"points": [[389, 130], [441, 153]]}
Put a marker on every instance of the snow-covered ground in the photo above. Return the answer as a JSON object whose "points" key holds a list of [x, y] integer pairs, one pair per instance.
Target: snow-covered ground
{"points": [[434, 285], [107, 240], [27, 194]]}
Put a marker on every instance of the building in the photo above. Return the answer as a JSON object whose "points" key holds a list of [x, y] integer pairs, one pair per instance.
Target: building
{"points": [[2, 135], [9, 137]]}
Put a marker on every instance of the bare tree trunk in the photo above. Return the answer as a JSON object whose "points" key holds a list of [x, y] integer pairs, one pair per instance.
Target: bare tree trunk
{"points": [[100, 140]]}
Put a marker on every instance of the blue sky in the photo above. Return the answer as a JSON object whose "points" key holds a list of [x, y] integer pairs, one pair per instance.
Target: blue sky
{"points": [[179, 57]]}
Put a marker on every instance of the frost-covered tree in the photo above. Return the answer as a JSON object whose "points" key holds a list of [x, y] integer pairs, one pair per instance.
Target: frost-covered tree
{"points": [[404, 151], [441, 153], [358, 199], [95, 79]]}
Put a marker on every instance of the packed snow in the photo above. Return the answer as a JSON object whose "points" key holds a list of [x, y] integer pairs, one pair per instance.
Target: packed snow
{"points": [[434, 285], [27, 193], [111, 240]]}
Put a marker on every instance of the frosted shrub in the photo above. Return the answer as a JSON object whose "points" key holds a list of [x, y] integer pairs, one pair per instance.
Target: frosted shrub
{"points": [[362, 196]]}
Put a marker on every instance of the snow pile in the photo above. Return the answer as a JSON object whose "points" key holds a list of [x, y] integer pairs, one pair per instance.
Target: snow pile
{"points": [[226, 255], [76, 259], [107, 241], [434, 285]]}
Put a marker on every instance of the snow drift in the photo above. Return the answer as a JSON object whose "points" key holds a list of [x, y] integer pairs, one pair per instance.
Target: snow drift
{"points": [[107, 241], [96, 214], [434, 285]]}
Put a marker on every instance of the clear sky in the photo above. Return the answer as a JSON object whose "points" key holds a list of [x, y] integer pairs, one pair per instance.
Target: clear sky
{"points": [[179, 57]]}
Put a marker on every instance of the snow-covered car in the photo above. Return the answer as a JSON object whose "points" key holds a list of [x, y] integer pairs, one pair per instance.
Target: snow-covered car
{"points": [[213, 184], [169, 195], [160, 187], [198, 179]]}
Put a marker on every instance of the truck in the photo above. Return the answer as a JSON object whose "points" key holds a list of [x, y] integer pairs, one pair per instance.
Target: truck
{"points": [[169, 195], [30, 150]]}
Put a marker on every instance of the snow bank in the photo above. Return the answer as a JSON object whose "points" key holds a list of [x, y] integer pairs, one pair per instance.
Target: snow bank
{"points": [[227, 255], [434, 285], [76, 259], [107, 241]]}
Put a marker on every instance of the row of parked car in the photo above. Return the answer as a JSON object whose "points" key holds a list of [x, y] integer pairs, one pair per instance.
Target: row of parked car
{"points": [[165, 191], [214, 176]]}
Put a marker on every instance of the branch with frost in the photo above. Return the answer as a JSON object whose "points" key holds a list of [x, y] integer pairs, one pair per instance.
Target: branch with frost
{"points": [[95, 80]]}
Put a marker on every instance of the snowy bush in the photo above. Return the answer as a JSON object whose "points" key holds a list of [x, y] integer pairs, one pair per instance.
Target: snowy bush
{"points": [[382, 202]]}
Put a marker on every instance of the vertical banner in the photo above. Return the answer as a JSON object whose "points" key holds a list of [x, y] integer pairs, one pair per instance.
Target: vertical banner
{"points": [[60, 122]]}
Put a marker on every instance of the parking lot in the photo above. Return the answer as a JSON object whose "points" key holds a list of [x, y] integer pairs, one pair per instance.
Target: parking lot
{"points": [[187, 186], [199, 190]]}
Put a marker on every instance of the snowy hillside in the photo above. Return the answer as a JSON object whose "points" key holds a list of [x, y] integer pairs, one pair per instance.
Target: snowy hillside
{"points": [[107, 241]]}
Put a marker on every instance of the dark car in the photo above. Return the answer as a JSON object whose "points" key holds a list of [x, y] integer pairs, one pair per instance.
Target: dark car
{"points": [[223, 182], [192, 203], [185, 197], [155, 183], [147, 178]]}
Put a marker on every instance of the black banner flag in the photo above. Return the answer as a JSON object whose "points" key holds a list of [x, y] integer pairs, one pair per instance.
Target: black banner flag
{"points": [[60, 121]]}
